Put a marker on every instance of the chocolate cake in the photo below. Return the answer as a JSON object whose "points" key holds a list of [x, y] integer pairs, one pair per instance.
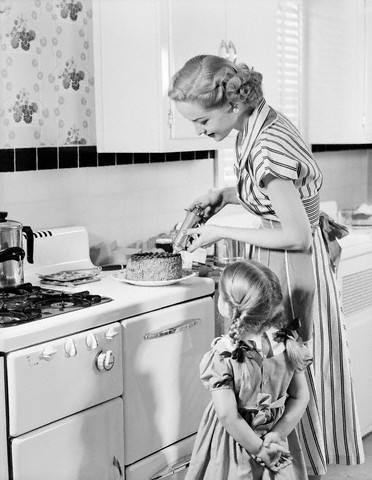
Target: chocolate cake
{"points": [[154, 266]]}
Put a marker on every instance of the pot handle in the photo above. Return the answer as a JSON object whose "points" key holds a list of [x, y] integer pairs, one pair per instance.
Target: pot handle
{"points": [[30, 243], [12, 253]]}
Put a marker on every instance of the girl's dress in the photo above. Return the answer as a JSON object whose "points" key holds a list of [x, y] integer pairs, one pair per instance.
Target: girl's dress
{"points": [[270, 144], [260, 384]]}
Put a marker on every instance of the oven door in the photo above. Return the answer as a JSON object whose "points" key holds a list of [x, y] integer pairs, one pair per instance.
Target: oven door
{"points": [[164, 398], [85, 446]]}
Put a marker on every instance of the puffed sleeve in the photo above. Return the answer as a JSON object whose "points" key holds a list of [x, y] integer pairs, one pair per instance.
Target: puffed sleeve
{"points": [[307, 357], [278, 159], [216, 370]]}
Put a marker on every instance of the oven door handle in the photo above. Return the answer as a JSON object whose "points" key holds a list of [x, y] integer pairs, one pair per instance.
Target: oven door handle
{"points": [[173, 469], [171, 329]]}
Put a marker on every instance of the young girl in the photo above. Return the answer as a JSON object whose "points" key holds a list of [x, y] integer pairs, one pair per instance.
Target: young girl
{"points": [[259, 391]]}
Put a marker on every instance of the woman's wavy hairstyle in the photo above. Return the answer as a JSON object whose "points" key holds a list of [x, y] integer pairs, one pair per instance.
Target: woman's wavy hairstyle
{"points": [[255, 301], [212, 81]]}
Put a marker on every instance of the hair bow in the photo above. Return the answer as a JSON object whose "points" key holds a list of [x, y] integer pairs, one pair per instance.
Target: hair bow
{"points": [[286, 332], [242, 350]]}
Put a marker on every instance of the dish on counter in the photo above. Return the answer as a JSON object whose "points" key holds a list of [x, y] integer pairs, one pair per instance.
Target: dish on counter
{"points": [[121, 277], [72, 275]]}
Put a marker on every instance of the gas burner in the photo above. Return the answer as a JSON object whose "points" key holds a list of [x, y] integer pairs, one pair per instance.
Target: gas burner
{"points": [[26, 303], [10, 318]]}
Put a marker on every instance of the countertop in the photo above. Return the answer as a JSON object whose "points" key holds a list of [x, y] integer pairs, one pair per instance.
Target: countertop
{"points": [[128, 301]]}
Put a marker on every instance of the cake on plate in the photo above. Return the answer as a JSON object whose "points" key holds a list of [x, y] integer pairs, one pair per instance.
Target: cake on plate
{"points": [[154, 266]]}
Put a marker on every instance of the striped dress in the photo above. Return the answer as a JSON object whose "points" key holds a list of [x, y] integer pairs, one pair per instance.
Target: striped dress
{"points": [[270, 144]]}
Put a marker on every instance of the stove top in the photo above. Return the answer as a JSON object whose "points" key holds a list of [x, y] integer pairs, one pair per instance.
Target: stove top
{"points": [[26, 303]]}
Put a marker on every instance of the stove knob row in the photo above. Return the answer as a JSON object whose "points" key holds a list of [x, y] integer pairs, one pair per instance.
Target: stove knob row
{"points": [[91, 341], [105, 360], [48, 352], [70, 348], [112, 332]]}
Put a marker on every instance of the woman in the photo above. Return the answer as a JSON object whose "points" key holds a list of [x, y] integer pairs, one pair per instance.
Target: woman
{"points": [[279, 180]]}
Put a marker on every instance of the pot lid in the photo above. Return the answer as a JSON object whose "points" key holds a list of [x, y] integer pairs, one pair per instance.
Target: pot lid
{"points": [[4, 223]]}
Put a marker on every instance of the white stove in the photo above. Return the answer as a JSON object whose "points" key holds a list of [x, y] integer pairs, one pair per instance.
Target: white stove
{"points": [[76, 387]]}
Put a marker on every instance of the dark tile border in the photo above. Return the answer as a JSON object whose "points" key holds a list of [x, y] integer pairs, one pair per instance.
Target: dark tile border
{"points": [[25, 159], [340, 147], [76, 156], [124, 158], [47, 158], [7, 160], [88, 157], [68, 157]]}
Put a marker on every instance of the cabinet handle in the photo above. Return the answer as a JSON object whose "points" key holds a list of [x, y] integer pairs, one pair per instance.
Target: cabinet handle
{"points": [[223, 49], [116, 464], [231, 52], [169, 330], [170, 470]]}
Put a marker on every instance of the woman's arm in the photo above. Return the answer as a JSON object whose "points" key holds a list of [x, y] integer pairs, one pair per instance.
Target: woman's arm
{"points": [[295, 231], [295, 406]]}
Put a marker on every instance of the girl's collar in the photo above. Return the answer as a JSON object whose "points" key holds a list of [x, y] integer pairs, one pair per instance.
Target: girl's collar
{"points": [[276, 347]]}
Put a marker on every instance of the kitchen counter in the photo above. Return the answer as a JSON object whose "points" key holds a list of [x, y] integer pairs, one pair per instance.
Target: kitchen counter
{"points": [[128, 300]]}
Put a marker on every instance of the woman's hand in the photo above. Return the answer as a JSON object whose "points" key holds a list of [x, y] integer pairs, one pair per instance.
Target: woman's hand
{"points": [[211, 203], [204, 236], [215, 200]]}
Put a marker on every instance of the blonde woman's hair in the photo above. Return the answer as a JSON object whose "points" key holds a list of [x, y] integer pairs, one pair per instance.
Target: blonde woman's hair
{"points": [[255, 301], [212, 81]]}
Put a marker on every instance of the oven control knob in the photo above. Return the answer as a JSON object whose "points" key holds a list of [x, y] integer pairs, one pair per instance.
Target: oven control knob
{"points": [[48, 352], [105, 361], [112, 332], [91, 341], [70, 348]]}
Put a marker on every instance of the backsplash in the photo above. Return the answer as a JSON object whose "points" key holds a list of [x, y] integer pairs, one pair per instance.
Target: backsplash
{"points": [[50, 158]]}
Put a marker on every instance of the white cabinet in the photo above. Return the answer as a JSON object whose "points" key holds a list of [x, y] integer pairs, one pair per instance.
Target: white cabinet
{"points": [[339, 82], [233, 28], [138, 45], [368, 75]]}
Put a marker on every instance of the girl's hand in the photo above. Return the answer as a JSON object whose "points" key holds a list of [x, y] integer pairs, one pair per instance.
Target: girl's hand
{"points": [[275, 457], [211, 203], [207, 235], [272, 437]]}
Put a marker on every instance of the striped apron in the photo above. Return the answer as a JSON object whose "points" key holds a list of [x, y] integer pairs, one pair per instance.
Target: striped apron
{"points": [[329, 430]]}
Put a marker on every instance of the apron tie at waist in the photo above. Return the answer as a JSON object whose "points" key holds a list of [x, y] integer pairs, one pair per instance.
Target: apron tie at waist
{"points": [[331, 231], [261, 411]]}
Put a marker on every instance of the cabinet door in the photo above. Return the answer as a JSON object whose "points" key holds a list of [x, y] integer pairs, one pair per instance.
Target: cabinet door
{"points": [[196, 27], [336, 54], [127, 75], [368, 76], [85, 446], [164, 398], [252, 26]]}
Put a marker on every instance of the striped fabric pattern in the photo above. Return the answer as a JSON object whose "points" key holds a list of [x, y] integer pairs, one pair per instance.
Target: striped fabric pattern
{"points": [[280, 151], [329, 431]]}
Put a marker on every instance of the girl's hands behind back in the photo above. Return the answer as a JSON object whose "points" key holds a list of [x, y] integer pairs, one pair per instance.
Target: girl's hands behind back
{"points": [[274, 456]]}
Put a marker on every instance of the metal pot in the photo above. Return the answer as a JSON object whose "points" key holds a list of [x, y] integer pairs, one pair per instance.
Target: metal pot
{"points": [[11, 251], [229, 251]]}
